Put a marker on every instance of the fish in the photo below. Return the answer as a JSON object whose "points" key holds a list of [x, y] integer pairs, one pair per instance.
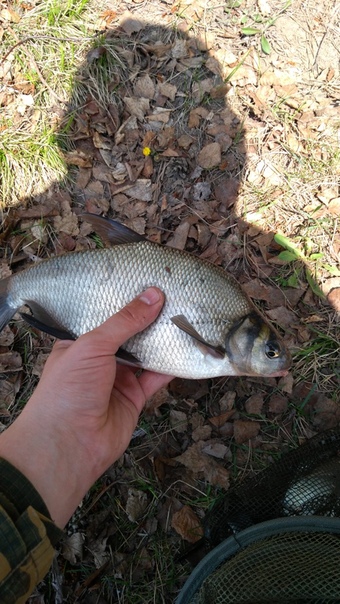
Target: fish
{"points": [[207, 328]]}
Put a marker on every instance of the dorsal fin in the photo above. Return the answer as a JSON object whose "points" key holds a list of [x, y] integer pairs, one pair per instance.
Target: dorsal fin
{"points": [[112, 232], [182, 323]]}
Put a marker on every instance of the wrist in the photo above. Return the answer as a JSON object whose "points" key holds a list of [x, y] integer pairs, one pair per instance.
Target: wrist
{"points": [[45, 457]]}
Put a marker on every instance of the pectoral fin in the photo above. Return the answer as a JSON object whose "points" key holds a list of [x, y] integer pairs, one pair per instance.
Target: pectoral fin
{"points": [[40, 319], [112, 232], [126, 358], [182, 323]]}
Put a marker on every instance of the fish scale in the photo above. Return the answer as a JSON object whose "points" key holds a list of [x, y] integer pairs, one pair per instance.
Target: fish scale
{"points": [[80, 290]]}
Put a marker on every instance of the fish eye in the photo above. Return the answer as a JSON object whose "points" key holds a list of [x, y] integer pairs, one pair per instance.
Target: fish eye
{"points": [[272, 350]]}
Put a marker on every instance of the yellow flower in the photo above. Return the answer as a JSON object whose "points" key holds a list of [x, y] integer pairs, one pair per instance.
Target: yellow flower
{"points": [[146, 151]]}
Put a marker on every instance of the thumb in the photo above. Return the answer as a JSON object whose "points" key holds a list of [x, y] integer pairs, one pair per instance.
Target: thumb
{"points": [[134, 317]]}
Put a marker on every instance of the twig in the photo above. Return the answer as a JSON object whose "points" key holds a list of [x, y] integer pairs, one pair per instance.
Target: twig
{"points": [[42, 78]]}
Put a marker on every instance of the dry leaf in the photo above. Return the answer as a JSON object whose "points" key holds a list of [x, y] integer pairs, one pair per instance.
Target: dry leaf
{"points": [[168, 90], [179, 49], [286, 383], [137, 107], [72, 548], [196, 461], [6, 336], [219, 420], [284, 317], [216, 449], [142, 189], [210, 156], [161, 397], [39, 363], [245, 430], [144, 87], [178, 421], [187, 525], [10, 361], [278, 404], [159, 114], [201, 433], [199, 89], [130, 24], [254, 404], [78, 158], [8, 14], [101, 142], [179, 238], [136, 504]]}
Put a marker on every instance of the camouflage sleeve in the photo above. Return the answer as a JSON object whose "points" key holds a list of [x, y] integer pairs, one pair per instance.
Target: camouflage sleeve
{"points": [[27, 536]]}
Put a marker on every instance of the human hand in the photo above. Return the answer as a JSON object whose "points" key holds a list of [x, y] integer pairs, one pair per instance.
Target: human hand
{"points": [[81, 416]]}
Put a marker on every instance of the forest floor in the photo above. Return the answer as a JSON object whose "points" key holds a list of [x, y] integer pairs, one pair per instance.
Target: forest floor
{"points": [[209, 126]]}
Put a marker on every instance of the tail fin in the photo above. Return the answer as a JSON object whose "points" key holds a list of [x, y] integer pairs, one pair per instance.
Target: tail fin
{"points": [[6, 311]]}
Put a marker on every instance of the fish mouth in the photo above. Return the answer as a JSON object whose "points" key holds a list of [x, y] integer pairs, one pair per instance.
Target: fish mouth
{"points": [[281, 373]]}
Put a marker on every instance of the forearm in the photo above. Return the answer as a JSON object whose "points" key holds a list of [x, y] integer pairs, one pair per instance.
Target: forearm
{"points": [[45, 455]]}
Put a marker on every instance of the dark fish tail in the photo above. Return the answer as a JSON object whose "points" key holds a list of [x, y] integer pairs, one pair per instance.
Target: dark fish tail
{"points": [[6, 311]]}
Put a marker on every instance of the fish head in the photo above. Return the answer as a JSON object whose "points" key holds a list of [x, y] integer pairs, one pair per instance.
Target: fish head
{"points": [[255, 348]]}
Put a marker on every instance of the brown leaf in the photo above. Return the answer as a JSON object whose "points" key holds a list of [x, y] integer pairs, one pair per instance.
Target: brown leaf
{"points": [[196, 115], [39, 363], [141, 189], [278, 404], [130, 24], [259, 291], [6, 336], [196, 461], [179, 238], [245, 430], [201, 433], [10, 361], [254, 404], [178, 421], [161, 397], [136, 504], [72, 547], [210, 156], [137, 107], [284, 317], [168, 90], [78, 158], [219, 420], [216, 449], [286, 383], [144, 87], [187, 525]]}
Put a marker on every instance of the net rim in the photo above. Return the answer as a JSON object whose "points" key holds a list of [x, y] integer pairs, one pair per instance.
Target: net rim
{"points": [[229, 547]]}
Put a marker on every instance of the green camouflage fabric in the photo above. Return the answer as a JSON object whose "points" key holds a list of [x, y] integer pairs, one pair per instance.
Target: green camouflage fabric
{"points": [[27, 536]]}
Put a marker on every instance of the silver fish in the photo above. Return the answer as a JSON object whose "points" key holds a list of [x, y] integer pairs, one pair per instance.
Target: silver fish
{"points": [[207, 327]]}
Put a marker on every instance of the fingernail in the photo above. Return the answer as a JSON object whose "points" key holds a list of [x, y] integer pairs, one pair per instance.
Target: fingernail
{"points": [[150, 296]]}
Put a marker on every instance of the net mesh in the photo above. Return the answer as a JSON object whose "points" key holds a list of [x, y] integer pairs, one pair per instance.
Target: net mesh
{"points": [[289, 567], [304, 482], [297, 566]]}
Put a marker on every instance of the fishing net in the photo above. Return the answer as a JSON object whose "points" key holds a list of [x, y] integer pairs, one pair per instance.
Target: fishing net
{"points": [[276, 536]]}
